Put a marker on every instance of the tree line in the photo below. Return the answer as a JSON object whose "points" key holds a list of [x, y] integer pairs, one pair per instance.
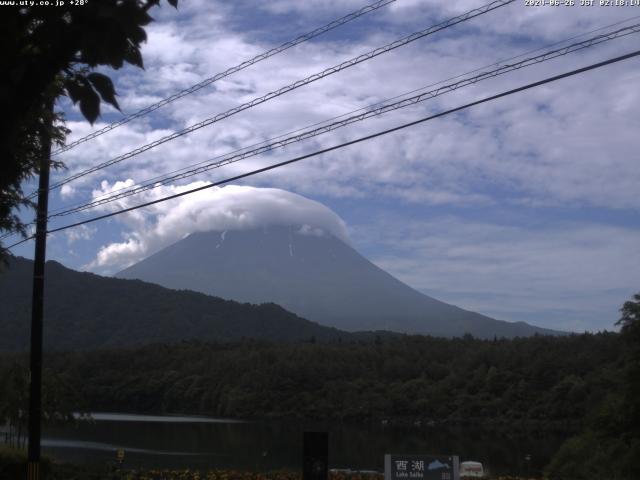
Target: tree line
{"points": [[585, 385], [542, 380]]}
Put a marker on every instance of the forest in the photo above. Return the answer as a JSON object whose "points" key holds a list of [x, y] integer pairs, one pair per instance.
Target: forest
{"points": [[540, 380], [584, 385]]}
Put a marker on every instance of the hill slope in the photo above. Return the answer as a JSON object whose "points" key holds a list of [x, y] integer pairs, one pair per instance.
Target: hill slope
{"points": [[314, 275], [84, 311]]}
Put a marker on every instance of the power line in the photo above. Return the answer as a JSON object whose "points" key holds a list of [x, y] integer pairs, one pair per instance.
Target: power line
{"points": [[368, 113], [276, 93], [9, 234], [362, 109], [243, 151], [346, 144], [258, 58]]}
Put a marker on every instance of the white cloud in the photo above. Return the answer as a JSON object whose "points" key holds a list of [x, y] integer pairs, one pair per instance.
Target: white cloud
{"points": [[228, 208], [82, 232], [67, 191], [548, 146]]}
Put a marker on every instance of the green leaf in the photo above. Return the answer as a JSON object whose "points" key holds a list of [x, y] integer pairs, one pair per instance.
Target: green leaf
{"points": [[104, 86], [89, 102], [137, 35], [74, 89], [133, 56]]}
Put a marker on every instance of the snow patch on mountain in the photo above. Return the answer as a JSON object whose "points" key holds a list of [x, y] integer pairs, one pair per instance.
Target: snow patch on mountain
{"points": [[313, 231], [222, 235]]}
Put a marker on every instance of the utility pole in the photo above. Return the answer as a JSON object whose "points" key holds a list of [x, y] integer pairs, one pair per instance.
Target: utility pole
{"points": [[37, 302]]}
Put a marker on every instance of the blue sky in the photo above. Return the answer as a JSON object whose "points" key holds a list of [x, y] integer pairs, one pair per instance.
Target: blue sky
{"points": [[522, 209]]}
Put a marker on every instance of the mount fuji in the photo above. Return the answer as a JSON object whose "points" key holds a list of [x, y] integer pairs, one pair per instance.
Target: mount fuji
{"points": [[314, 274]]}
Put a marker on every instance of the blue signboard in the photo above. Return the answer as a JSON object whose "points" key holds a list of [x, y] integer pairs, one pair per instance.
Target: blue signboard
{"points": [[421, 467]]}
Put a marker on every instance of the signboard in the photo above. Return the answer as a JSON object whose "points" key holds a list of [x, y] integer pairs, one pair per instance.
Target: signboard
{"points": [[421, 467]]}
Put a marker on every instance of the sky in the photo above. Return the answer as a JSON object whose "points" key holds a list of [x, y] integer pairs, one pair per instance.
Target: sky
{"points": [[523, 209]]}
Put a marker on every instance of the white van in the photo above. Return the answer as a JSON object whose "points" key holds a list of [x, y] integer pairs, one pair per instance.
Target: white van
{"points": [[471, 470]]}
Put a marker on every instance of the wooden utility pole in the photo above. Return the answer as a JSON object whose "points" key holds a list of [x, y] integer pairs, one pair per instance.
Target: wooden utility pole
{"points": [[37, 304]]}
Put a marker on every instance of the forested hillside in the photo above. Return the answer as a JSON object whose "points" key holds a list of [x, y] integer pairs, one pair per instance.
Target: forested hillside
{"points": [[540, 380], [84, 311], [583, 384]]}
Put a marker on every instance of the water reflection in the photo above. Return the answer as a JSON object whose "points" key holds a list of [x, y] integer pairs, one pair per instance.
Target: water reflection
{"points": [[181, 442], [129, 417], [82, 445]]}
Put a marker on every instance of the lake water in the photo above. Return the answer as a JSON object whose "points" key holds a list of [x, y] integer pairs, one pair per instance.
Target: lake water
{"points": [[181, 442]]}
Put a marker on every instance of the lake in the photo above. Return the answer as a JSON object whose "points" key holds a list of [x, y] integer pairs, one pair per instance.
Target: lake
{"points": [[184, 441]]}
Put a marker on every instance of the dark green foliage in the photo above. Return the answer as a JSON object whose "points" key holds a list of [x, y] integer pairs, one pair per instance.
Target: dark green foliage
{"points": [[59, 399], [609, 446], [538, 383], [591, 457], [29, 145], [48, 52], [630, 319], [80, 89], [407, 378], [104, 86], [630, 322], [14, 379]]}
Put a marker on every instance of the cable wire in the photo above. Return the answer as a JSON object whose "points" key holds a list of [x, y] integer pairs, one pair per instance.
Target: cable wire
{"points": [[362, 109], [345, 144], [230, 71], [276, 93], [160, 178], [368, 113]]}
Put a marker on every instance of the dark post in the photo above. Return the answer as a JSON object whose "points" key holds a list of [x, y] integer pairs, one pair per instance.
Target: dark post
{"points": [[35, 388], [316, 456]]}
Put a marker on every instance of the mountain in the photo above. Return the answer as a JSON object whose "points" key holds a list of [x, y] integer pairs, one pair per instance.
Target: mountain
{"points": [[315, 275], [85, 311]]}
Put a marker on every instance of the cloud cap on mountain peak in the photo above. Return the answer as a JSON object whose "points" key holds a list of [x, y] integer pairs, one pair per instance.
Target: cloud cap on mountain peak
{"points": [[233, 207]]}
